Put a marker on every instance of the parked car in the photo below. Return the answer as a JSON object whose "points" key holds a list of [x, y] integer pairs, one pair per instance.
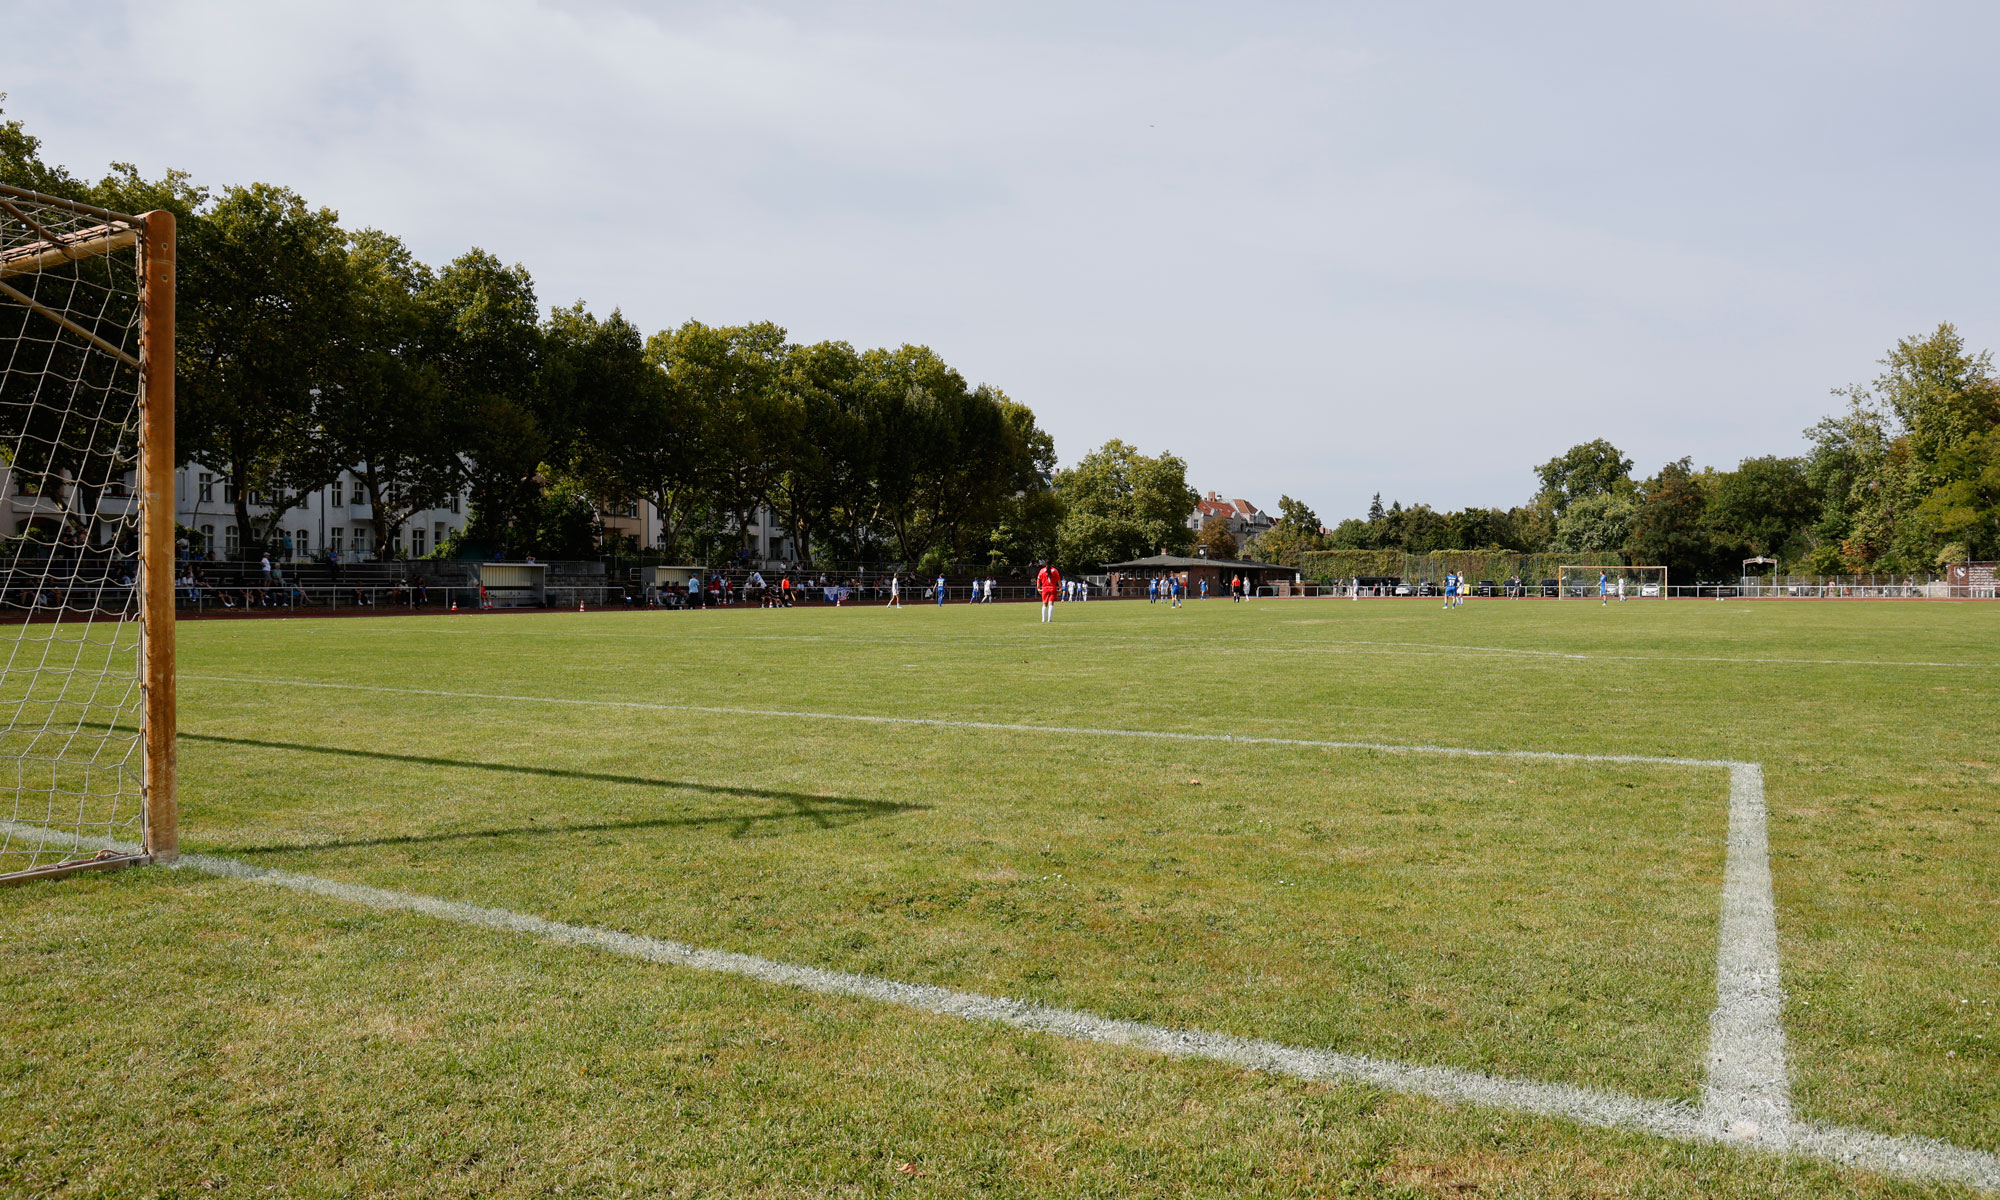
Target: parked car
{"points": [[1488, 588], [1551, 588]]}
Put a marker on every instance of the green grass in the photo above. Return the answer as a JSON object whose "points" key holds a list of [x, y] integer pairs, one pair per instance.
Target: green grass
{"points": [[1544, 920]]}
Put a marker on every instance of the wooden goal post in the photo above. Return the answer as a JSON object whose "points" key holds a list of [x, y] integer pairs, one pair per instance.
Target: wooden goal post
{"points": [[87, 437]]}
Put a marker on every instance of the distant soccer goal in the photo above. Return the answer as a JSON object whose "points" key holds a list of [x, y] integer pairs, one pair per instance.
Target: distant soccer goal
{"points": [[86, 537], [1617, 582]]}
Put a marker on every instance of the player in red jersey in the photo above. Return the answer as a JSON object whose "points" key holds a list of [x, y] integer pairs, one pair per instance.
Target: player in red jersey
{"points": [[1049, 581]]}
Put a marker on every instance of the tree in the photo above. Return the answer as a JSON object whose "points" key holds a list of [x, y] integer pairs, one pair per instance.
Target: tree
{"points": [[387, 411], [1216, 540], [1668, 525], [1940, 394], [1595, 468], [731, 376], [1765, 507], [1027, 513], [1964, 509], [1877, 466], [262, 307], [1121, 504], [831, 463], [1595, 525], [1295, 533], [489, 353]]}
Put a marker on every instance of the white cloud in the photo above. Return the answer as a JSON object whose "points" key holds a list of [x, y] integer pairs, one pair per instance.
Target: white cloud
{"points": [[1414, 251]]}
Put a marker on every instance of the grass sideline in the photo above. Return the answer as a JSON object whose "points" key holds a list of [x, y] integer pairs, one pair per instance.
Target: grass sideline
{"points": [[1552, 920]]}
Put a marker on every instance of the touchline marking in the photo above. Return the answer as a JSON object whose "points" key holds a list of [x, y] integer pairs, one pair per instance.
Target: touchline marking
{"points": [[1748, 1091], [1907, 1157], [999, 726]]}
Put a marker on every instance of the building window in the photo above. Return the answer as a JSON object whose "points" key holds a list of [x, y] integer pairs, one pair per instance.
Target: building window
{"points": [[302, 542], [397, 541], [205, 490], [357, 493], [417, 542], [228, 492], [232, 542], [336, 495], [455, 501], [208, 539], [333, 537], [360, 540], [437, 534]]}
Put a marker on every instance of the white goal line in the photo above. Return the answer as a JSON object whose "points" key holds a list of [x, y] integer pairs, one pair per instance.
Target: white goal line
{"points": [[1907, 1157]]}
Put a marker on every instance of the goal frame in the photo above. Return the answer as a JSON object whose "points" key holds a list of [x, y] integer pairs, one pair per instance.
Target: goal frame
{"points": [[1613, 569], [154, 234]]}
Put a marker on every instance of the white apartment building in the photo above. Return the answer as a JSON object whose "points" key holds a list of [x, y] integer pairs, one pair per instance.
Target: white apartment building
{"points": [[52, 508], [336, 519]]}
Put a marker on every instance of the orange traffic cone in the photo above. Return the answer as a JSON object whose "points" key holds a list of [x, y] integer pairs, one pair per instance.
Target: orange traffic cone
{"points": [[579, 605], [454, 606]]}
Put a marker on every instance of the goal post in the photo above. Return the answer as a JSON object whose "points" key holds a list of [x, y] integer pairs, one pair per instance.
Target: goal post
{"points": [[87, 547], [1617, 581]]}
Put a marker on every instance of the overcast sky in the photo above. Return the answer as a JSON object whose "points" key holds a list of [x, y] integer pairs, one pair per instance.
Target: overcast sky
{"points": [[1319, 249]]}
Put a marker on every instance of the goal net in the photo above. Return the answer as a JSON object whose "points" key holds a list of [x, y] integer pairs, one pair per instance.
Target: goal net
{"points": [[1615, 582], [86, 537]]}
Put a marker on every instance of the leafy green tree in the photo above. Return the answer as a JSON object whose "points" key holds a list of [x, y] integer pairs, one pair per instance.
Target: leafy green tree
{"points": [[1765, 507], [830, 468], [733, 378], [1121, 504], [1595, 468], [387, 411], [1940, 393], [1216, 540], [1027, 512], [1964, 509], [1668, 525], [489, 353], [638, 436], [1877, 466], [1295, 534], [1353, 534], [1595, 524], [264, 297]]}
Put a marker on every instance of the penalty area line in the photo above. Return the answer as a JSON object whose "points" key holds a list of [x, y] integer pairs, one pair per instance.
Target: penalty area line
{"points": [[1906, 1157]]}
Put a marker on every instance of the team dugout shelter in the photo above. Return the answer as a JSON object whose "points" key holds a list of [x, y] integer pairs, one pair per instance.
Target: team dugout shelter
{"points": [[1129, 578]]}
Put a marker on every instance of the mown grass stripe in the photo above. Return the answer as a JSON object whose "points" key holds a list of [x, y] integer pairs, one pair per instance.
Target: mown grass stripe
{"points": [[998, 726]]}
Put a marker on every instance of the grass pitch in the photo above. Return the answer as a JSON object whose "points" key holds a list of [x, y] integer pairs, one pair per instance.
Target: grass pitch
{"points": [[1546, 920]]}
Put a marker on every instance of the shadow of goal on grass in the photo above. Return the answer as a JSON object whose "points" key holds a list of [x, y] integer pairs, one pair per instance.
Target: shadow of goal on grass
{"points": [[823, 812]]}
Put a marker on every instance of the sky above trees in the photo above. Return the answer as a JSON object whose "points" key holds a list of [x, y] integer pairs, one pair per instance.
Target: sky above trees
{"points": [[1406, 249]]}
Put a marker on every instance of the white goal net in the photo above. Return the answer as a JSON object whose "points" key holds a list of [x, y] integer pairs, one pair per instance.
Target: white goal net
{"points": [[86, 569], [1588, 580]]}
